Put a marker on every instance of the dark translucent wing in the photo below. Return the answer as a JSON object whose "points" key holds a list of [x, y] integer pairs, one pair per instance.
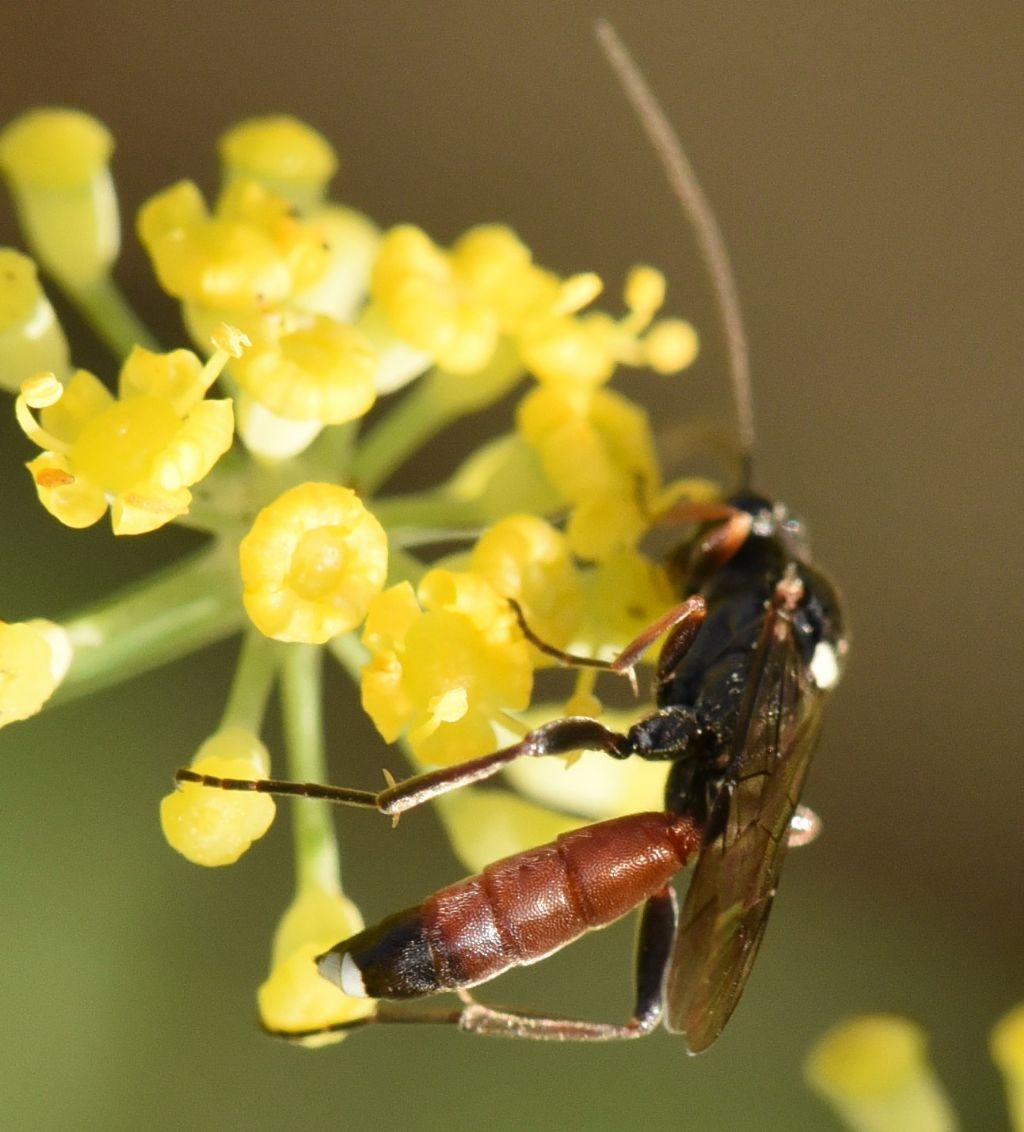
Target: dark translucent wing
{"points": [[733, 884]]}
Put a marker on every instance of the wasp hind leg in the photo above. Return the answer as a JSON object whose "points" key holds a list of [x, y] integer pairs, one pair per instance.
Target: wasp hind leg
{"points": [[654, 948]]}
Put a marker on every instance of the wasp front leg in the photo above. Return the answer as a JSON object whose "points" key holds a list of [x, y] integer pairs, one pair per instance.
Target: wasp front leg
{"points": [[681, 622]]}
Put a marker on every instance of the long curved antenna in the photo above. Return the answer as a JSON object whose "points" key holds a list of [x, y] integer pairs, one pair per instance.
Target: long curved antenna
{"points": [[684, 184]]}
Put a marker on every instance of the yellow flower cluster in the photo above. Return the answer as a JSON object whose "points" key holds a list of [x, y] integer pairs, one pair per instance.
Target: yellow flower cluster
{"points": [[459, 306], [316, 317], [137, 453]]}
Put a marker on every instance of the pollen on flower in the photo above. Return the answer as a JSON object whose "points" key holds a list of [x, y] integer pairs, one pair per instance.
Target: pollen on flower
{"points": [[295, 996], [644, 291], [670, 345], [215, 827], [42, 390], [446, 664], [138, 453], [576, 292], [34, 658], [311, 564], [230, 339]]}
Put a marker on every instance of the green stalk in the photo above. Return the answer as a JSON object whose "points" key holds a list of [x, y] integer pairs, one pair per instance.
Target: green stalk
{"points": [[417, 417], [168, 615], [257, 668], [316, 849], [429, 405], [428, 510], [108, 312]]}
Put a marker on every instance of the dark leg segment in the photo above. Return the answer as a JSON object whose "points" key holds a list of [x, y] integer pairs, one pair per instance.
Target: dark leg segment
{"points": [[682, 619]]}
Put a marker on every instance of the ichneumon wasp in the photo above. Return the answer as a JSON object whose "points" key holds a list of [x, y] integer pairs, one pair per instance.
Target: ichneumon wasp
{"points": [[750, 652]]}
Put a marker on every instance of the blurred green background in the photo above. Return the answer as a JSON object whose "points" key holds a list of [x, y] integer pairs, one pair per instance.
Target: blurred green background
{"points": [[866, 165]]}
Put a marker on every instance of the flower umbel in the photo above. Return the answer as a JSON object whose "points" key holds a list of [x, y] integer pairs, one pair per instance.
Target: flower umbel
{"points": [[317, 317]]}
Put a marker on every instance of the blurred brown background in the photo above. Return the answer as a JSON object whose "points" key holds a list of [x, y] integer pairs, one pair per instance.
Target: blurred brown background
{"points": [[865, 161]]}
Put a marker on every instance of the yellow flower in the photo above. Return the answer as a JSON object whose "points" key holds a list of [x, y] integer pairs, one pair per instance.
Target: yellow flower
{"points": [[351, 241], [251, 255], [622, 596], [598, 452], [284, 155], [311, 564], [560, 346], [34, 657], [525, 558], [446, 664], [1007, 1045], [315, 369], [416, 284], [215, 827], [31, 338], [56, 163], [295, 996], [592, 785], [139, 452], [874, 1072]]}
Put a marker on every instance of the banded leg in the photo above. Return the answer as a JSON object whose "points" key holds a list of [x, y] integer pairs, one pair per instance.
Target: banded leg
{"points": [[559, 737], [654, 947], [682, 622]]}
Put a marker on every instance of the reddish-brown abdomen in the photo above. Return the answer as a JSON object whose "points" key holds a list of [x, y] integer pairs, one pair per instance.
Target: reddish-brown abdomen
{"points": [[526, 906]]}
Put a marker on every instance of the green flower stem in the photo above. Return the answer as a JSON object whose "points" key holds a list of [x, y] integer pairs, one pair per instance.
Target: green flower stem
{"points": [[426, 511], [108, 312], [428, 406], [411, 423], [258, 663], [211, 520], [404, 567], [351, 654], [168, 615], [316, 849], [331, 454]]}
